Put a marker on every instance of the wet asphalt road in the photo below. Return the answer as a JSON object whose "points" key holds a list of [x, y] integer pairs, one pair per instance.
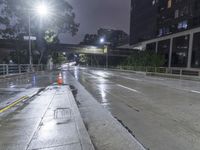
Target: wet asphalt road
{"points": [[10, 87], [163, 114]]}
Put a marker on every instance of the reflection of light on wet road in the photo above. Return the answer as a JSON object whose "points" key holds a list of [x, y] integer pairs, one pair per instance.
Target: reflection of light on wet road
{"points": [[33, 80], [133, 79], [11, 85], [103, 93], [46, 129], [102, 74], [89, 74], [64, 75], [76, 71], [102, 89], [193, 91], [130, 89]]}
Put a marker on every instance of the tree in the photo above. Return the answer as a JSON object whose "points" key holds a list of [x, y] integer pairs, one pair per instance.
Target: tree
{"points": [[58, 58], [90, 39], [14, 20], [83, 59], [14, 17], [146, 59], [51, 37]]}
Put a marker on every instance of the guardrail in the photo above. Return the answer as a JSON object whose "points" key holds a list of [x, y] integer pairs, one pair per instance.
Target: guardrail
{"points": [[6, 69], [161, 70]]}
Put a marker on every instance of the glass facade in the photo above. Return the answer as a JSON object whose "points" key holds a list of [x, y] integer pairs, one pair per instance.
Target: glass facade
{"points": [[196, 51], [151, 47], [180, 51], [163, 49]]}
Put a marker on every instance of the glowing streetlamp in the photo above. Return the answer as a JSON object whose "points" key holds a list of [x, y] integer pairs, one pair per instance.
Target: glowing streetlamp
{"points": [[103, 41], [42, 10]]}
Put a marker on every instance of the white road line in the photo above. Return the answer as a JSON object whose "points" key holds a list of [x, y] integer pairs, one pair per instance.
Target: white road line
{"points": [[134, 79], [193, 91], [133, 90]]}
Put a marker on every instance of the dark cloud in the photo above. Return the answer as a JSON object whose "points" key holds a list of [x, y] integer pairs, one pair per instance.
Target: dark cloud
{"points": [[93, 14]]}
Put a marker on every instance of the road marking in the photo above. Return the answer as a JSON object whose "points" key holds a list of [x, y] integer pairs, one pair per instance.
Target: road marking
{"points": [[13, 104], [193, 91], [133, 90], [134, 79]]}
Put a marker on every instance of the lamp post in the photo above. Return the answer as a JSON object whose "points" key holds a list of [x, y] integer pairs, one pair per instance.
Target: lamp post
{"points": [[29, 41], [42, 10], [102, 41]]}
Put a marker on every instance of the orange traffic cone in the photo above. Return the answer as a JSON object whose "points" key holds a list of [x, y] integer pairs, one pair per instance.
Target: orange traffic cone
{"points": [[60, 79]]}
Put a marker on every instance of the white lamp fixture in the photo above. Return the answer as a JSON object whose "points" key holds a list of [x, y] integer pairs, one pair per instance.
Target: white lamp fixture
{"points": [[102, 40], [42, 9]]}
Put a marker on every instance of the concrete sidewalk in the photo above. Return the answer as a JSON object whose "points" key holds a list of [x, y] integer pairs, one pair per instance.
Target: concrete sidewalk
{"points": [[51, 121]]}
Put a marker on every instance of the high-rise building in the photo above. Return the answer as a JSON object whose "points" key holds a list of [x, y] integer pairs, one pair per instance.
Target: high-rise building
{"points": [[143, 20], [172, 30]]}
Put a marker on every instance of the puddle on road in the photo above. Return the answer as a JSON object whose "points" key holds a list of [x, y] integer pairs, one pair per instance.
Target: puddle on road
{"points": [[5, 95]]}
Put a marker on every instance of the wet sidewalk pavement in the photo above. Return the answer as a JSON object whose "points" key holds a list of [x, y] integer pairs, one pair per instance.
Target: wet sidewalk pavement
{"points": [[50, 121]]}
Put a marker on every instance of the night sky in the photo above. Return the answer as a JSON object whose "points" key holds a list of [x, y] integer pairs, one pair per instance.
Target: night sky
{"points": [[93, 14]]}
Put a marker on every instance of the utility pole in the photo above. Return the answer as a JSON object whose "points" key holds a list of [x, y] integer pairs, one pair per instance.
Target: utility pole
{"points": [[29, 42], [107, 56]]}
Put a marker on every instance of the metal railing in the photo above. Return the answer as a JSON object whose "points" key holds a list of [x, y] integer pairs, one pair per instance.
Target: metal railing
{"points": [[160, 70], [6, 69]]}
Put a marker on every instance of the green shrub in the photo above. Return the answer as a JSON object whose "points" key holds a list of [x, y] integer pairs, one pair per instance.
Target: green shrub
{"points": [[144, 58]]}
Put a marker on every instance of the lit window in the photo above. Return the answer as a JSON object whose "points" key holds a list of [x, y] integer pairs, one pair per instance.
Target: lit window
{"points": [[169, 4], [183, 24]]}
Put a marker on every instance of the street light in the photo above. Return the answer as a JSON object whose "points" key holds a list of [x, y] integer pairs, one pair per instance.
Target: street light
{"points": [[102, 41], [42, 10]]}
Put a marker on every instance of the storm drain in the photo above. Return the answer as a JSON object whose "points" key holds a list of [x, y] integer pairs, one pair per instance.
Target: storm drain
{"points": [[62, 115]]}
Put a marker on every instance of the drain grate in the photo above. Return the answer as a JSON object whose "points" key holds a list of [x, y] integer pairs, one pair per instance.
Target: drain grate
{"points": [[62, 115]]}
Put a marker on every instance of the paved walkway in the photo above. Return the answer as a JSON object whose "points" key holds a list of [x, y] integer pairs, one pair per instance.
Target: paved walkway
{"points": [[51, 121]]}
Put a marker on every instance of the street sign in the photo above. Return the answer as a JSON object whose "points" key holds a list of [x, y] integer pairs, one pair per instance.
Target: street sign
{"points": [[32, 38]]}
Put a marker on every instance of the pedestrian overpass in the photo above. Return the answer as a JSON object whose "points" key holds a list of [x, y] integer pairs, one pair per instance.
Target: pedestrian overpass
{"points": [[80, 49], [92, 50]]}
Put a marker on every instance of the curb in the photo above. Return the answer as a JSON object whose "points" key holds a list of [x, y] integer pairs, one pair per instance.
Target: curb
{"points": [[83, 133]]}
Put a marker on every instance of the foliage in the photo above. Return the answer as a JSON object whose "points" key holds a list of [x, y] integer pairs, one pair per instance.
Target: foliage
{"points": [[58, 58], [145, 58], [14, 22], [83, 59], [14, 18], [90, 39], [51, 37]]}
